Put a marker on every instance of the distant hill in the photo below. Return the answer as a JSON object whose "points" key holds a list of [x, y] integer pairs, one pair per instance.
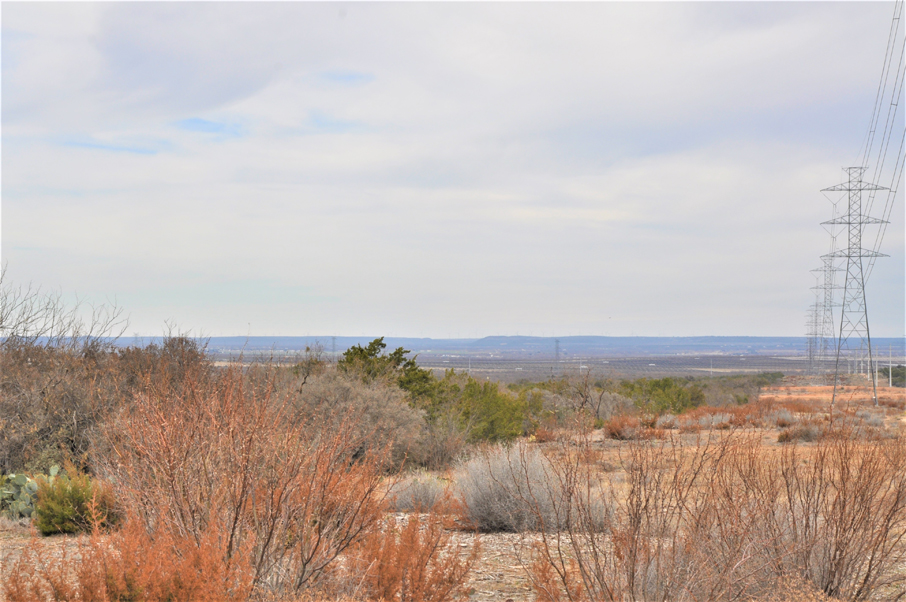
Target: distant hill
{"points": [[526, 346]]}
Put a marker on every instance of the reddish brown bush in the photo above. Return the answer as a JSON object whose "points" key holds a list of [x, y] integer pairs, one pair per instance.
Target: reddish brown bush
{"points": [[226, 460], [415, 562], [544, 434], [728, 518], [129, 565], [622, 428]]}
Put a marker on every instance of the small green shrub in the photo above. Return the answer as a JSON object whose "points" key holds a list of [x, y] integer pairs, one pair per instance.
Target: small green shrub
{"points": [[72, 504]]}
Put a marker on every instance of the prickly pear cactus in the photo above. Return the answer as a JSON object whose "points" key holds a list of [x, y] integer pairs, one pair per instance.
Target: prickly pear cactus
{"points": [[19, 493]]}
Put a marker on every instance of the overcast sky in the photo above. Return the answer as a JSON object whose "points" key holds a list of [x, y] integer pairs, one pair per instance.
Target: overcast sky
{"points": [[439, 170]]}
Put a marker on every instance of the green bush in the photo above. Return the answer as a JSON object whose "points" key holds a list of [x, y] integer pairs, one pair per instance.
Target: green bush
{"points": [[665, 395], [72, 504], [371, 363], [898, 379]]}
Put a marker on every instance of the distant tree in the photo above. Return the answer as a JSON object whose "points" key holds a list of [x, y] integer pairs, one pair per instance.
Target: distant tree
{"points": [[899, 376], [480, 411], [370, 363], [663, 395]]}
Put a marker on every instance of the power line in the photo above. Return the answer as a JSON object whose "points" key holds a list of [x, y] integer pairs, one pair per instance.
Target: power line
{"points": [[882, 84], [888, 132]]}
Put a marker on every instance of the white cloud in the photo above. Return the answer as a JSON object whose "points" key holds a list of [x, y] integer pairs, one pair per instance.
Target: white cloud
{"points": [[437, 169]]}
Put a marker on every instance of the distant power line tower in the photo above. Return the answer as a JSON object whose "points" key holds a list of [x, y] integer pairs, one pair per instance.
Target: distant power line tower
{"points": [[557, 350], [813, 334], [854, 314], [823, 327]]}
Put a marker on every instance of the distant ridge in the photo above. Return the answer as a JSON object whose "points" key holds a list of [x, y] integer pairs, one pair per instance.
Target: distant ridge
{"points": [[592, 346]]}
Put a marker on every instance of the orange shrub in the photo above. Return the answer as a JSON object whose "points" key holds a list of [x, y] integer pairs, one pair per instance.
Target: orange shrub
{"points": [[622, 428], [229, 460], [414, 563], [729, 518], [545, 435], [131, 565]]}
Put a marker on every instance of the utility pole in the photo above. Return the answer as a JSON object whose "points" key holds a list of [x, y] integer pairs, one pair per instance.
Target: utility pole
{"points": [[854, 314]]}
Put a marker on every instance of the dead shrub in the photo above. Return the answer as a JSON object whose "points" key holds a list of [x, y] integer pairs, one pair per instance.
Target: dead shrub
{"points": [[622, 428], [130, 564], [727, 518], [229, 461], [415, 562], [510, 489]]}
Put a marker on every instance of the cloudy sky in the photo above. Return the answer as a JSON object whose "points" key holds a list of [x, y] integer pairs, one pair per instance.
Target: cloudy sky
{"points": [[441, 170]]}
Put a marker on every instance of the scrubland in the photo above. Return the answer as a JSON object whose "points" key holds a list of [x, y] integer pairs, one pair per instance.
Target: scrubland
{"points": [[370, 479]]}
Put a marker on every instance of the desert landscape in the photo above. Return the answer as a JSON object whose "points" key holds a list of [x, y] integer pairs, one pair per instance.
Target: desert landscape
{"points": [[453, 301], [161, 473]]}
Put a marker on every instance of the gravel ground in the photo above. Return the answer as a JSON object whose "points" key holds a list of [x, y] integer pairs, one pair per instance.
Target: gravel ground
{"points": [[496, 577]]}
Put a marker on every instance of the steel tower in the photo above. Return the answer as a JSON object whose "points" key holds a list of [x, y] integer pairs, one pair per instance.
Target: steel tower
{"points": [[854, 313]]}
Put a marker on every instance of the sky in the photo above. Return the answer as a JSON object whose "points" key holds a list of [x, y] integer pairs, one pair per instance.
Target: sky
{"points": [[446, 170]]}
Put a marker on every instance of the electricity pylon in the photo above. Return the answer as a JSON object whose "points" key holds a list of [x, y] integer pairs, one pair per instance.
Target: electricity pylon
{"points": [[854, 314], [813, 332], [823, 327]]}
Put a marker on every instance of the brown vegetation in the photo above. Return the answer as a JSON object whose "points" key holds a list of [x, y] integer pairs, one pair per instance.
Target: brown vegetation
{"points": [[414, 562], [725, 518], [267, 482]]}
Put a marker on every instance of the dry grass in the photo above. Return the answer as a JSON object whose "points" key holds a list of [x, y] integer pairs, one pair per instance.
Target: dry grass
{"points": [[414, 562], [728, 518], [222, 474], [246, 485], [509, 489], [130, 564]]}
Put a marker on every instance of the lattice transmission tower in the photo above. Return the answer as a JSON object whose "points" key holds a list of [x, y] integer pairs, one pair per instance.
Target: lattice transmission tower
{"points": [[813, 334], [854, 312], [822, 328]]}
